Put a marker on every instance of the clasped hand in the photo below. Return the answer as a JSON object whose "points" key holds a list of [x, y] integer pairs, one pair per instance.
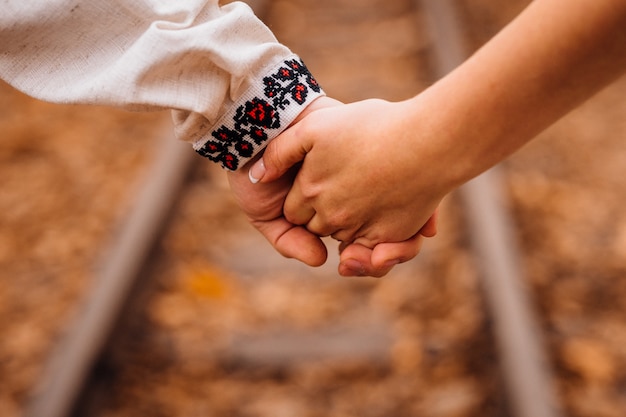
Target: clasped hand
{"points": [[345, 171]]}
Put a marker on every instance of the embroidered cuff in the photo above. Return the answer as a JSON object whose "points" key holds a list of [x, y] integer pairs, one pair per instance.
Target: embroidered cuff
{"points": [[266, 111]]}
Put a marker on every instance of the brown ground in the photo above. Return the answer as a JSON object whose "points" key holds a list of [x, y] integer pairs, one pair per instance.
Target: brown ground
{"points": [[232, 329]]}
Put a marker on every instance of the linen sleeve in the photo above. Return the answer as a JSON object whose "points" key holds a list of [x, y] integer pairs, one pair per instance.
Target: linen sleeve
{"points": [[230, 84]]}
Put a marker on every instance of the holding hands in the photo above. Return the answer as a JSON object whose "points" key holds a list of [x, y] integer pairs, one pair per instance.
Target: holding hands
{"points": [[357, 182], [334, 193], [372, 173]]}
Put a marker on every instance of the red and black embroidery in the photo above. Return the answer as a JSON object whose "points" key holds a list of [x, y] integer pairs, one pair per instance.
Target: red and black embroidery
{"points": [[249, 127]]}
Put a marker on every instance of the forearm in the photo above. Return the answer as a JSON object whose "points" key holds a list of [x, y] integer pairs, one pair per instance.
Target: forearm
{"points": [[554, 56]]}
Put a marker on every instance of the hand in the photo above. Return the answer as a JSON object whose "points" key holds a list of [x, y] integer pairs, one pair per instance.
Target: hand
{"points": [[384, 256], [263, 204], [358, 182]]}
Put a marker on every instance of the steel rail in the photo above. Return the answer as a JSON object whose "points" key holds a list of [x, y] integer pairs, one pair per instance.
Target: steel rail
{"points": [[67, 369], [74, 355], [523, 358]]}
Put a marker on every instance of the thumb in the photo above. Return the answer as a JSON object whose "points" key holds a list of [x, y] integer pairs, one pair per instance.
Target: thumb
{"points": [[293, 241], [286, 150]]}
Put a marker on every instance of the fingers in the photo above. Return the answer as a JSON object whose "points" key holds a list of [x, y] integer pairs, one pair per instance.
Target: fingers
{"points": [[387, 255], [286, 150], [290, 146], [293, 241], [355, 262], [315, 223], [295, 209], [298, 211], [359, 260]]}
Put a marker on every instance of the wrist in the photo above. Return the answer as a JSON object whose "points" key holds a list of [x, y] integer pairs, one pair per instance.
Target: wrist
{"points": [[267, 108], [437, 144], [316, 104], [467, 125]]}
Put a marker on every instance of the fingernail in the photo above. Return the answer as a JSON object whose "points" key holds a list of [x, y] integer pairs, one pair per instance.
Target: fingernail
{"points": [[256, 171], [353, 267]]}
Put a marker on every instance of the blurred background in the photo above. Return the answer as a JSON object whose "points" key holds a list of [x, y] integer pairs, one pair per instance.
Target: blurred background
{"points": [[227, 327]]}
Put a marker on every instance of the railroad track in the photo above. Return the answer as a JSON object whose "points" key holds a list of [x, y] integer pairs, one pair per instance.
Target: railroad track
{"points": [[65, 387], [492, 232]]}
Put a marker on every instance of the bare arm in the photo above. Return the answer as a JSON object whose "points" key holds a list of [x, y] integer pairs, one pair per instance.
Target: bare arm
{"points": [[554, 56], [374, 171]]}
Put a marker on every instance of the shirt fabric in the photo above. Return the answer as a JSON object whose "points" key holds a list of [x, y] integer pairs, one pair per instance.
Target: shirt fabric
{"points": [[231, 85]]}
